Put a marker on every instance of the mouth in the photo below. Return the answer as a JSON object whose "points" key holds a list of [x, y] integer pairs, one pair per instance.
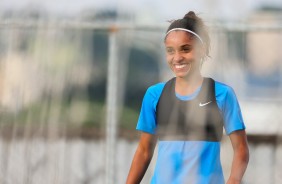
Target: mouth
{"points": [[180, 66]]}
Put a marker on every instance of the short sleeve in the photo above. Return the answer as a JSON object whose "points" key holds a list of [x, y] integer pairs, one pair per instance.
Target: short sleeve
{"points": [[230, 108], [147, 117]]}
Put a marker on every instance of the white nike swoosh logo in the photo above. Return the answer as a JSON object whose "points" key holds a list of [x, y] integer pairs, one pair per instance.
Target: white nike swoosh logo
{"points": [[201, 105]]}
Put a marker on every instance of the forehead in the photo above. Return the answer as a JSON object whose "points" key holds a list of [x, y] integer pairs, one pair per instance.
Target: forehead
{"points": [[179, 37]]}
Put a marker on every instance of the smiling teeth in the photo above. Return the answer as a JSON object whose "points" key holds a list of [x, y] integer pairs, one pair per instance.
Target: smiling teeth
{"points": [[180, 66]]}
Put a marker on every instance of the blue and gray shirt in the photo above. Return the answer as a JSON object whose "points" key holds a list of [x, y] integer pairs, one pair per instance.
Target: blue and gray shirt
{"points": [[189, 129]]}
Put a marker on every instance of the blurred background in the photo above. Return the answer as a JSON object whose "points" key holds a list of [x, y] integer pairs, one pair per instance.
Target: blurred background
{"points": [[73, 75]]}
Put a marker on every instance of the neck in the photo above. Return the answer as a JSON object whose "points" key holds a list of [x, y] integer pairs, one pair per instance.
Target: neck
{"points": [[187, 86]]}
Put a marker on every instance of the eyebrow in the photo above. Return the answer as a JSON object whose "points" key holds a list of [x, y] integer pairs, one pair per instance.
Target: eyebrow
{"points": [[185, 45]]}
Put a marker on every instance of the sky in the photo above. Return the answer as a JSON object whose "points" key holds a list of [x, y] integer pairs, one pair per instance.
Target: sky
{"points": [[149, 10]]}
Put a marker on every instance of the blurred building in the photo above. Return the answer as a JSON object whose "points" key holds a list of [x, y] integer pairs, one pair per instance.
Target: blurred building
{"points": [[264, 71]]}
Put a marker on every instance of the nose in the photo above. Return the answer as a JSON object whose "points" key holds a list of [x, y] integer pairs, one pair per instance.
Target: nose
{"points": [[177, 57]]}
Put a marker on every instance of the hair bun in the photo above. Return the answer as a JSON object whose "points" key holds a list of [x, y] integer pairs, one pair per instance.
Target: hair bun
{"points": [[190, 15]]}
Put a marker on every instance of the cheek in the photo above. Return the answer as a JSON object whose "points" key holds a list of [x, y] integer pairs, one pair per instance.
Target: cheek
{"points": [[195, 55], [169, 59], [200, 52]]}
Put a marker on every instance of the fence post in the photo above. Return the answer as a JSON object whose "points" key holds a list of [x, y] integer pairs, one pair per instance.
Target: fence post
{"points": [[111, 111]]}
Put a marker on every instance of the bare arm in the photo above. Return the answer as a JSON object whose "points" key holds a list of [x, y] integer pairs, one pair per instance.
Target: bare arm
{"points": [[142, 158], [240, 157]]}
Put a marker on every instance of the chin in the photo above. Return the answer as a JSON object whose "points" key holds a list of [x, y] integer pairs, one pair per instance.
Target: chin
{"points": [[182, 75]]}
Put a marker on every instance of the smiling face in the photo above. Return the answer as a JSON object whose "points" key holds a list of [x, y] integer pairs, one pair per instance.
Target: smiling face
{"points": [[183, 53]]}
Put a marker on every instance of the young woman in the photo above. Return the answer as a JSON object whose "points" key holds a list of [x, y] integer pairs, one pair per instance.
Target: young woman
{"points": [[186, 116]]}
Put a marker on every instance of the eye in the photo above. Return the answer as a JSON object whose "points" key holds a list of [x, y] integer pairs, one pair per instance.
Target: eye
{"points": [[169, 50], [186, 49]]}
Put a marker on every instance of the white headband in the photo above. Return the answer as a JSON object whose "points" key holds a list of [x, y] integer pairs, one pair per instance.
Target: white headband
{"points": [[187, 30]]}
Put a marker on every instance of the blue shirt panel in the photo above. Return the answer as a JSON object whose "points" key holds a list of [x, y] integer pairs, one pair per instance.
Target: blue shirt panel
{"points": [[188, 162]]}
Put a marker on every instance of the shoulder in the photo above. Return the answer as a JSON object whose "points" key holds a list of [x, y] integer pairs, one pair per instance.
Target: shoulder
{"points": [[157, 87], [152, 95], [155, 90], [223, 90], [225, 96]]}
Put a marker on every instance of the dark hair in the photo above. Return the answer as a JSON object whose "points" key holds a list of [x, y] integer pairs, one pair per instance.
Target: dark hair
{"points": [[193, 23]]}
